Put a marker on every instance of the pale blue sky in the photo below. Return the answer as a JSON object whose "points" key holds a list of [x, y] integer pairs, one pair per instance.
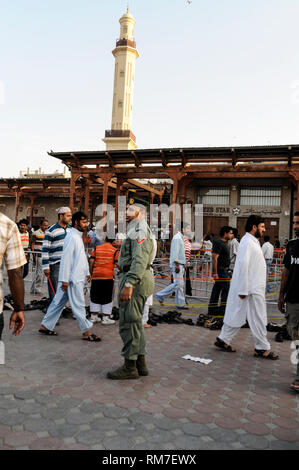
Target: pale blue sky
{"points": [[212, 73]]}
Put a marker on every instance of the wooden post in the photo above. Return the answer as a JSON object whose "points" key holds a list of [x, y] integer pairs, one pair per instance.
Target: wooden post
{"points": [[18, 198], [74, 177], [32, 199], [86, 196], [93, 206], [119, 184]]}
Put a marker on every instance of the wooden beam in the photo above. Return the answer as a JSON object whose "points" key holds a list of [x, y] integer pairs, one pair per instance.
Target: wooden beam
{"points": [[110, 159], [146, 187], [86, 196], [137, 160], [234, 158], [184, 161], [164, 159]]}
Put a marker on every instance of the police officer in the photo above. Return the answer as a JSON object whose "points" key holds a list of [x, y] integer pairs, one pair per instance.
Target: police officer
{"points": [[136, 284]]}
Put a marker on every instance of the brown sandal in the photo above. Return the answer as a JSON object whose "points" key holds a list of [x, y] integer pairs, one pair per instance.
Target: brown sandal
{"points": [[261, 353], [48, 332], [222, 345]]}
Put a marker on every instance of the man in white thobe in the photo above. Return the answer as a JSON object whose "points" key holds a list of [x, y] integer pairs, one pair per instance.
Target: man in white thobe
{"points": [[73, 272], [246, 299], [177, 265]]}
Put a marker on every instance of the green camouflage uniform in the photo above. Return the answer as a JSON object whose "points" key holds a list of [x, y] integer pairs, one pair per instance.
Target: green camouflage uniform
{"points": [[134, 261]]}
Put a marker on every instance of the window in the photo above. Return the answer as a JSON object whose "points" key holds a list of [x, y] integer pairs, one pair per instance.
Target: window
{"points": [[260, 196], [213, 196]]}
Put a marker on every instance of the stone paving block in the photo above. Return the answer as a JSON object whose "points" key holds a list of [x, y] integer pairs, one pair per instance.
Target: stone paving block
{"points": [[17, 439], [79, 418], [38, 425], [118, 443], [13, 419], [53, 413], [283, 445], [115, 412], [188, 443], [47, 443], [254, 442], [63, 431], [30, 408], [103, 424], [91, 437], [25, 394], [195, 429], [165, 423]]}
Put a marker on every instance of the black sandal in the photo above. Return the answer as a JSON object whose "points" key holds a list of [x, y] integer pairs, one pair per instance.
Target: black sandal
{"points": [[48, 332], [93, 338], [222, 345], [261, 352]]}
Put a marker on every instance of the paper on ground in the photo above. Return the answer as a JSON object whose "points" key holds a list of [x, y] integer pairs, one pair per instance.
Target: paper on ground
{"points": [[197, 359]]}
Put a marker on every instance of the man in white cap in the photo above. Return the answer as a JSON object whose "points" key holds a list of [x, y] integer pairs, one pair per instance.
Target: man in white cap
{"points": [[53, 247]]}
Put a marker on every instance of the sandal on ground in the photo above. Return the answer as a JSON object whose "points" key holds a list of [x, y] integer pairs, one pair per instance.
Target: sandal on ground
{"points": [[93, 338], [222, 345], [261, 353], [48, 332], [295, 386]]}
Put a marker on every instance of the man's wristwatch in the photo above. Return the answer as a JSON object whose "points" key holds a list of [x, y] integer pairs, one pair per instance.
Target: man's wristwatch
{"points": [[127, 284]]}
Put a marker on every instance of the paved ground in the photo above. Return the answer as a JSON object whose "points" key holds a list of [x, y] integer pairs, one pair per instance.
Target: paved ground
{"points": [[54, 394]]}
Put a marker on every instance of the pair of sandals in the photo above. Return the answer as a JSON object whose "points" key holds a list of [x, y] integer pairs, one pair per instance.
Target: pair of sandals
{"points": [[92, 338], [257, 352]]}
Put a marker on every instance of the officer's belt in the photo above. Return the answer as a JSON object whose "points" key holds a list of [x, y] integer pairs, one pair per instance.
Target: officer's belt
{"points": [[127, 268]]}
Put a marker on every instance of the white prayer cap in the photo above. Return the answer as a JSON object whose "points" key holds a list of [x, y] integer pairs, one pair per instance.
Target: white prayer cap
{"points": [[63, 210]]}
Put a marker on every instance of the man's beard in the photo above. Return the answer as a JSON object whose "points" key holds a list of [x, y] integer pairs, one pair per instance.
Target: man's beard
{"points": [[258, 234]]}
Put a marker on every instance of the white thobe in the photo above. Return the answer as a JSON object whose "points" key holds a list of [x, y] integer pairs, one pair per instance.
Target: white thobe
{"points": [[249, 279], [74, 265], [149, 301], [73, 269]]}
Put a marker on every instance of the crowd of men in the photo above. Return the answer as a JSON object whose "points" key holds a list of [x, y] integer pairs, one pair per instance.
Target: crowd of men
{"points": [[239, 271]]}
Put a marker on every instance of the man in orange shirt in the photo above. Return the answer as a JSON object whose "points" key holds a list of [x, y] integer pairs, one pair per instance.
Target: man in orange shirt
{"points": [[101, 265]]}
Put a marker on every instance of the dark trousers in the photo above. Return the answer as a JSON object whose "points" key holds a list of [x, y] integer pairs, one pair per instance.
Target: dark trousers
{"points": [[25, 270], [54, 274], [220, 289], [188, 287]]}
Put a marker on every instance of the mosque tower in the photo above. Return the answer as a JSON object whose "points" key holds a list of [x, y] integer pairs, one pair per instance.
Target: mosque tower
{"points": [[120, 136]]}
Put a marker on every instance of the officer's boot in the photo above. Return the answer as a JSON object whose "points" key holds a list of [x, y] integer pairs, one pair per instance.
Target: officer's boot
{"points": [[127, 371], [141, 365]]}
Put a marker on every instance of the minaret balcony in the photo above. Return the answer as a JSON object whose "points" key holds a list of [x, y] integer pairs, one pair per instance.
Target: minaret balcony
{"points": [[120, 133], [126, 42]]}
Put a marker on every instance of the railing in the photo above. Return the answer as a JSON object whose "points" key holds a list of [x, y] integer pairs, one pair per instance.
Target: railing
{"points": [[120, 133], [126, 42]]}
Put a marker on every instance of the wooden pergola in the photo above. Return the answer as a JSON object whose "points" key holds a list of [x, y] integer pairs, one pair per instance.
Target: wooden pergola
{"points": [[116, 168]]}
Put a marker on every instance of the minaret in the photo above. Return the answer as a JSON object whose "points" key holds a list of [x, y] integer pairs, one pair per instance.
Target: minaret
{"points": [[120, 136]]}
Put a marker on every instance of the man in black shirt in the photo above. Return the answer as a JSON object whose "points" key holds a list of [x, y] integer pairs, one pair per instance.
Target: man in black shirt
{"points": [[220, 271], [289, 294]]}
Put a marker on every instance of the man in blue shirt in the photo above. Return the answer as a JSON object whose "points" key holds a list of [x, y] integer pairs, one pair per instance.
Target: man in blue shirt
{"points": [[177, 265], [53, 247], [73, 272]]}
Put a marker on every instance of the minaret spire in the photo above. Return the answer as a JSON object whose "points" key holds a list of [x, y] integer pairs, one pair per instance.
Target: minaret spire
{"points": [[125, 53]]}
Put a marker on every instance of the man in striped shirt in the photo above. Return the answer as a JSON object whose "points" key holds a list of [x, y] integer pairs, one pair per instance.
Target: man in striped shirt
{"points": [[53, 247]]}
